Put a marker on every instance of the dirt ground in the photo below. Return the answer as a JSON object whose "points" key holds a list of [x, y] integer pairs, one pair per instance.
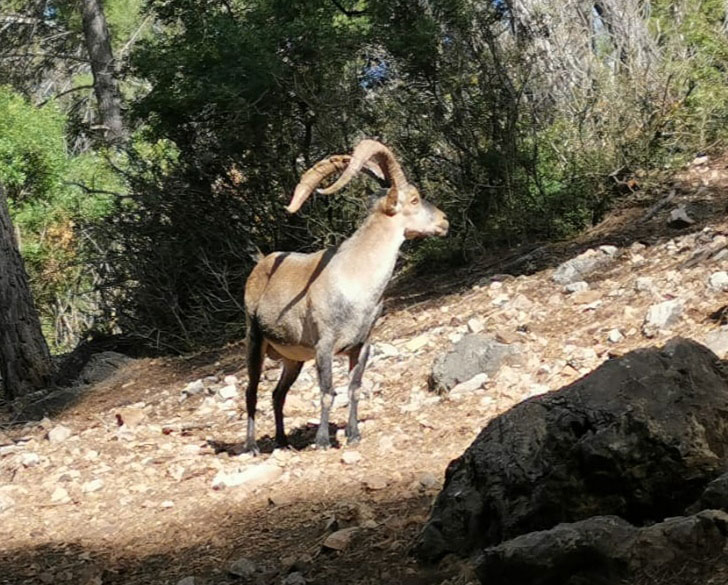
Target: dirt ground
{"points": [[136, 494]]}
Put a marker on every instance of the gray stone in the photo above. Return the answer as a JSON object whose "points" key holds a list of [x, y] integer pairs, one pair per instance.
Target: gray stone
{"points": [[37, 406], [243, 568], [294, 578], [639, 437], [679, 218], [662, 315], [584, 264], [101, 366], [604, 550], [472, 355], [714, 496]]}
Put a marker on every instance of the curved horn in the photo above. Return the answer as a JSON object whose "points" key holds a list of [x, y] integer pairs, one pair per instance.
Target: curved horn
{"points": [[312, 177], [366, 151]]}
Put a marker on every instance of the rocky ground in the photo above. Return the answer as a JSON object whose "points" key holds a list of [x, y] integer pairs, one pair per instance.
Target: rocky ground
{"points": [[139, 482]]}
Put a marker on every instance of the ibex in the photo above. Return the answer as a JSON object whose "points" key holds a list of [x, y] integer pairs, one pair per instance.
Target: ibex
{"points": [[314, 306]]}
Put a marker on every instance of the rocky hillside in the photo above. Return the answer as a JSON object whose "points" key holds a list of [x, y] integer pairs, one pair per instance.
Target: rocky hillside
{"points": [[138, 479]]}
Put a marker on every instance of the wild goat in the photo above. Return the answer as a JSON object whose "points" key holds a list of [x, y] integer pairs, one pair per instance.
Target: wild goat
{"points": [[313, 306]]}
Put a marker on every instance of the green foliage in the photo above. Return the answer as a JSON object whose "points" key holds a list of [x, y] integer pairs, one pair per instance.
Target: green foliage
{"points": [[52, 195], [32, 147]]}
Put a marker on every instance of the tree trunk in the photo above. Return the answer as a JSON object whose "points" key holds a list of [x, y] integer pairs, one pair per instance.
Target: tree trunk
{"points": [[98, 45], [25, 362]]}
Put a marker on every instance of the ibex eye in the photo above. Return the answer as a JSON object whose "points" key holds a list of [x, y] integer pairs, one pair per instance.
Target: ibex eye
{"points": [[415, 201]]}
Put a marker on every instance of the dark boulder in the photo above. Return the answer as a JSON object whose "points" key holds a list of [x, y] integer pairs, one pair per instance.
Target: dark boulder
{"points": [[605, 550], [640, 438]]}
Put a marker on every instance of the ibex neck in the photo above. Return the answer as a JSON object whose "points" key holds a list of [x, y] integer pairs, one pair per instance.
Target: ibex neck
{"points": [[370, 253]]}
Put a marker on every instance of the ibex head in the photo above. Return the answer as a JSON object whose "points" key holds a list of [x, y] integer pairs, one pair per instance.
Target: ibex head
{"points": [[402, 203]]}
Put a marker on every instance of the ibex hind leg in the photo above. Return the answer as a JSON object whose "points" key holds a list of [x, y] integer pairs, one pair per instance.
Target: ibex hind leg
{"points": [[255, 348], [291, 370]]}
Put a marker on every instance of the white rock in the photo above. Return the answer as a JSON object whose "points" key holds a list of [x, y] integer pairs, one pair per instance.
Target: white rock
{"points": [[500, 300], [455, 337], [644, 284], [29, 459], [615, 336], [717, 342], [417, 343], [187, 581], [251, 477], [60, 496], [385, 349], [167, 504], [718, 281], [341, 539], [351, 457], [92, 486], [230, 380], [428, 480], [59, 433], [574, 287], [6, 502], [538, 389], [475, 325], [475, 383], [376, 482], [662, 315], [609, 250], [227, 392], [196, 387], [341, 397], [191, 450], [386, 443]]}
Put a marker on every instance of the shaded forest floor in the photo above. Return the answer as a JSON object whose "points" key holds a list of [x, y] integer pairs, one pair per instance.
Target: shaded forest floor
{"points": [[140, 502]]}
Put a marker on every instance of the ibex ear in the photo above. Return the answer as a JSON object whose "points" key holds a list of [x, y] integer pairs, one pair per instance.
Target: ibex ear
{"points": [[393, 202]]}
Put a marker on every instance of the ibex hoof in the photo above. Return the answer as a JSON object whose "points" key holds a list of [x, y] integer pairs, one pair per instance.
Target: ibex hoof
{"points": [[322, 443], [252, 448]]}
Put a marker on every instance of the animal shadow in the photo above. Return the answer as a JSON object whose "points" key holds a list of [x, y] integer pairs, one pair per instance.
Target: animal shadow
{"points": [[298, 439]]}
